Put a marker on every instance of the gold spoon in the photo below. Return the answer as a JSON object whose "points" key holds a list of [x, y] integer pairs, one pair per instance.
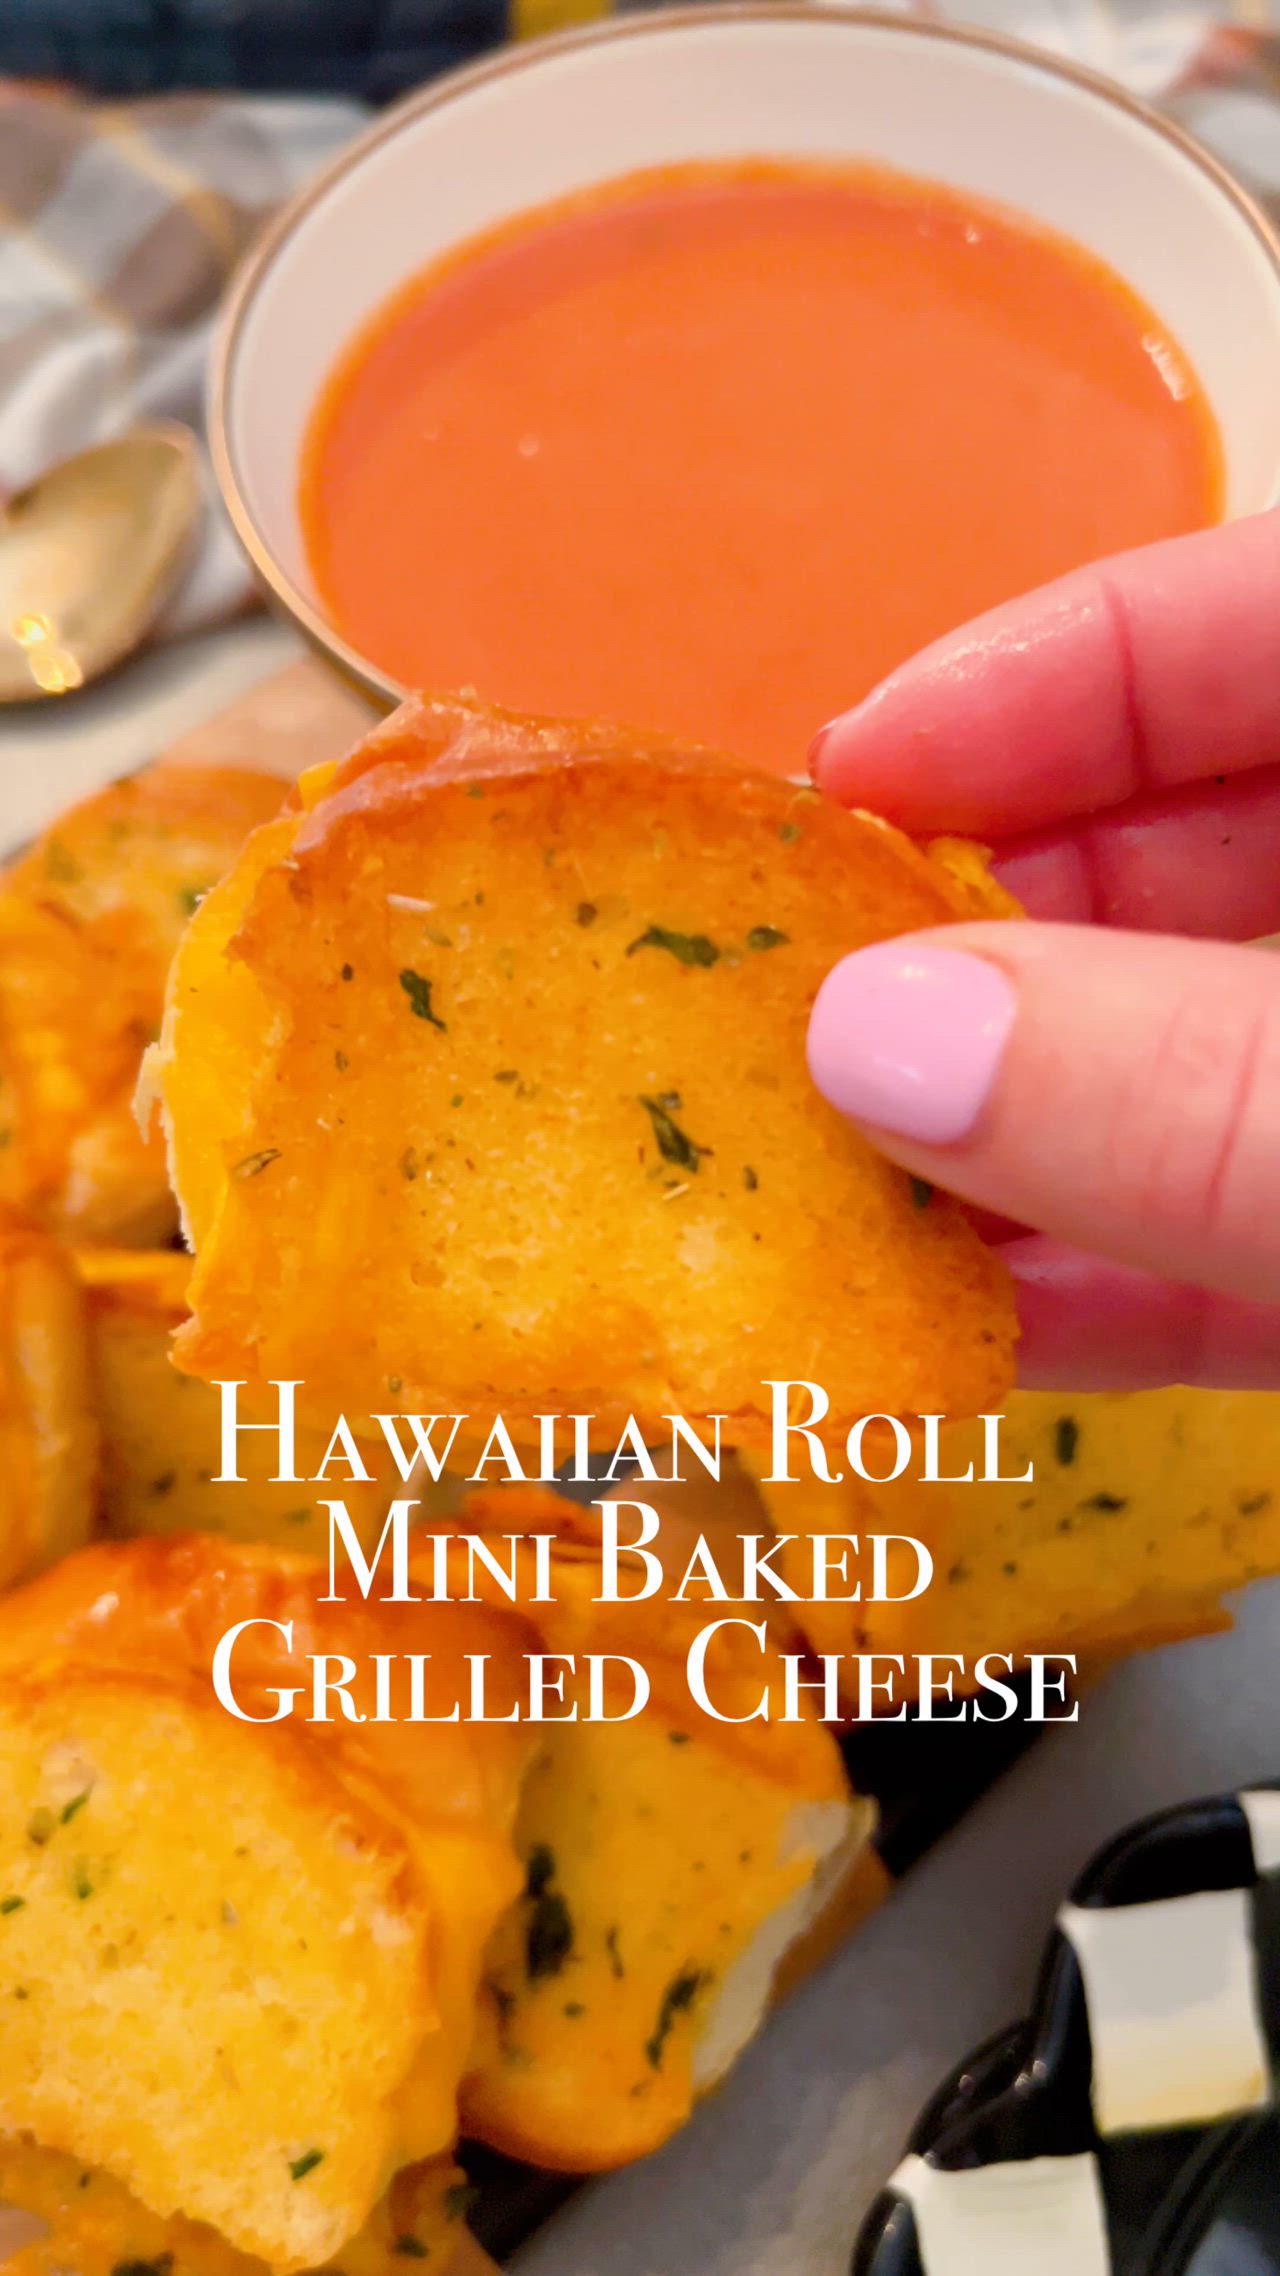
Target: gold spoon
{"points": [[89, 554]]}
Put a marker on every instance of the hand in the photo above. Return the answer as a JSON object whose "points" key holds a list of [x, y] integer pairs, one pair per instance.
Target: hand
{"points": [[1116, 738]]}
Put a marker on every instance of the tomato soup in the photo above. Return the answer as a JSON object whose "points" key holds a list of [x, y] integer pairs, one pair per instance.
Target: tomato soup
{"points": [[712, 449]]}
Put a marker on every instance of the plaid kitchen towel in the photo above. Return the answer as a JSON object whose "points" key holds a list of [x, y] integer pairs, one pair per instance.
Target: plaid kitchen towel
{"points": [[121, 222]]}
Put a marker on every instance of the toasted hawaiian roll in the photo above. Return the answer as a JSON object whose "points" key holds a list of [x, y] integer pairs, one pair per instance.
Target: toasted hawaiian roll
{"points": [[48, 1432], [671, 1862], [162, 1430], [1142, 1511], [238, 1960], [485, 1079], [89, 919], [59, 2216]]}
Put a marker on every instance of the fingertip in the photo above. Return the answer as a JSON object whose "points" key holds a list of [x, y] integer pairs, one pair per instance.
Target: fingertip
{"points": [[872, 754], [1090, 1324], [827, 769]]}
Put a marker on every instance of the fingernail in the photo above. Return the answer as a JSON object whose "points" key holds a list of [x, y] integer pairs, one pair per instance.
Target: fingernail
{"points": [[910, 1038], [816, 755]]}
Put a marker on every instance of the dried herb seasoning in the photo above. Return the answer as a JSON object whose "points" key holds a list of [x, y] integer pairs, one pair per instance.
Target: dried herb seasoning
{"points": [[678, 1997], [673, 1143], [458, 2200], [548, 1938], [418, 990], [1066, 1438], [687, 948]]}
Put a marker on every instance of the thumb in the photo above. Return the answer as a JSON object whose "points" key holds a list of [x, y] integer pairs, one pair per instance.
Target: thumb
{"points": [[1120, 1091]]}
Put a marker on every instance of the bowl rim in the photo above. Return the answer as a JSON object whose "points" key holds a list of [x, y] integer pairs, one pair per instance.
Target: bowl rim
{"points": [[278, 586]]}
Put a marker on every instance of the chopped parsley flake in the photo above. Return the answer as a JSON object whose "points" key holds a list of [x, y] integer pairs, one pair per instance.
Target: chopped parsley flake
{"points": [[300, 2167], [410, 2247], [549, 1931], [687, 948], [1066, 1438], [418, 991], [541, 1869], [12, 1904], [587, 912], [674, 1144], [678, 1997], [1106, 1502], [190, 897], [40, 1827], [767, 936], [458, 2200], [75, 1805], [921, 1193]]}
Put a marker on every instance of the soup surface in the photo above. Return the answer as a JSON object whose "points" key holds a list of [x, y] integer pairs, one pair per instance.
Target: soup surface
{"points": [[712, 449]]}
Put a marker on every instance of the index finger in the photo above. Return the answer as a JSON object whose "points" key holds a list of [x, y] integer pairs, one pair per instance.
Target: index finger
{"points": [[1154, 668]]}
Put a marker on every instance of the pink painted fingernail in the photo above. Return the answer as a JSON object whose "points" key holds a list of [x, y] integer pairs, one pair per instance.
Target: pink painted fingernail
{"points": [[819, 746], [910, 1037]]}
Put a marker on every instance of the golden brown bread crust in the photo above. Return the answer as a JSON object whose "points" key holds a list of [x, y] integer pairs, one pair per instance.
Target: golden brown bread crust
{"points": [[424, 1050], [89, 920], [61, 2218], [294, 1916], [49, 1447]]}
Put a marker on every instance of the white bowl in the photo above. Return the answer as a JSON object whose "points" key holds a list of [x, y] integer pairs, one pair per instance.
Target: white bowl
{"points": [[757, 79]]}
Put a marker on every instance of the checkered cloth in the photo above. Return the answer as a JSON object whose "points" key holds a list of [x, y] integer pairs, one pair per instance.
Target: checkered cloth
{"points": [[120, 224], [1179, 2000]]}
